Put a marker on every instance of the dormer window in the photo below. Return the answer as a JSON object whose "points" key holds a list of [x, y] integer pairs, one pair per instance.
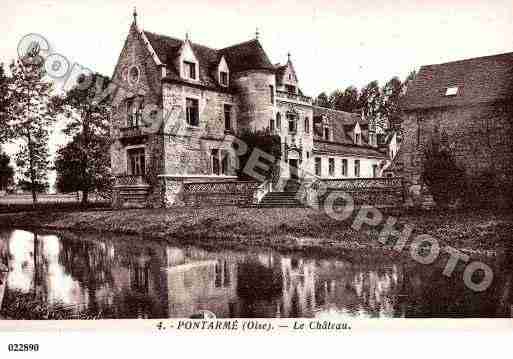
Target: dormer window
{"points": [[327, 133], [451, 91], [357, 138], [223, 78], [290, 89], [189, 70]]}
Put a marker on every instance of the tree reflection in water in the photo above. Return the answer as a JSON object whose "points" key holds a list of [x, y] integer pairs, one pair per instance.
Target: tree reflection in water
{"points": [[124, 277]]}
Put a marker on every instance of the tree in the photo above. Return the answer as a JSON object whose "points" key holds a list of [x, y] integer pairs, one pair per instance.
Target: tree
{"points": [[84, 164], [29, 117], [345, 101], [4, 97], [77, 171], [6, 172], [323, 100], [370, 101], [390, 104]]}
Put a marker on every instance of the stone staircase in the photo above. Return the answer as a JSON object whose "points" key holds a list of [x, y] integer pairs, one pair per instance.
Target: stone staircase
{"points": [[286, 198], [134, 197]]}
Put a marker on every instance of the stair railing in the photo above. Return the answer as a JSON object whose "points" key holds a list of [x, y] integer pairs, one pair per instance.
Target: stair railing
{"points": [[264, 188]]}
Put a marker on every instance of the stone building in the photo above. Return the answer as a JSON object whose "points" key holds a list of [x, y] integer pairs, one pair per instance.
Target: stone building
{"points": [[178, 106], [467, 106]]}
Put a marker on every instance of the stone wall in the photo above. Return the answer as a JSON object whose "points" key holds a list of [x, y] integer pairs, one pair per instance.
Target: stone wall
{"points": [[178, 191], [219, 194], [480, 137], [379, 192], [187, 149]]}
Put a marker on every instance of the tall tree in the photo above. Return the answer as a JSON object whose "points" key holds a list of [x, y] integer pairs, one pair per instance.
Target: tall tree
{"points": [[86, 156], [345, 101], [6, 171], [30, 115], [370, 102], [391, 107], [4, 98]]}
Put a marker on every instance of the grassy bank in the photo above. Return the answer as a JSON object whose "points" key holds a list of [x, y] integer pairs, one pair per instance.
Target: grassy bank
{"points": [[292, 229]]}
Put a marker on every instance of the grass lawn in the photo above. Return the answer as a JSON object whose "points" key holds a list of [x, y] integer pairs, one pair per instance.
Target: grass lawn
{"points": [[290, 228]]}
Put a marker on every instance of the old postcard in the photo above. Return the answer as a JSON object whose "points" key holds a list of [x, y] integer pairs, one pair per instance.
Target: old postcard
{"points": [[264, 167]]}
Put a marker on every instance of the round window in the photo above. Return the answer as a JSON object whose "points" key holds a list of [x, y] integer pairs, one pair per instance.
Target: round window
{"points": [[133, 75]]}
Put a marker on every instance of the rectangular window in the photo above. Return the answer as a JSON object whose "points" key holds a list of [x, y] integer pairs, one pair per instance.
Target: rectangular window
{"points": [[290, 89], [220, 162], [192, 111], [224, 162], [357, 168], [344, 167], [190, 70], [326, 133], [216, 166], [374, 170], [271, 125], [130, 118], [223, 77], [228, 117], [451, 91], [292, 123], [136, 161], [331, 166], [271, 92], [318, 166], [307, 125]]}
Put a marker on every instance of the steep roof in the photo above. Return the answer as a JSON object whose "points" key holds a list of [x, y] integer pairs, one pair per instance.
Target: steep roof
{"points": [[326, 147], [245, 56], [479, 80], [346, 118]]}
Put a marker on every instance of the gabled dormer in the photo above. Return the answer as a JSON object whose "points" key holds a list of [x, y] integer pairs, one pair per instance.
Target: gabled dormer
{"points": [[188, 62], [357, 134], [287, 78], [223, 73]]}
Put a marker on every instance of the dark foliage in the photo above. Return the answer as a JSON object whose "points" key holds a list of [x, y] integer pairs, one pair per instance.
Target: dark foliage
{"points": [[6, 172], [444, 178], [263, 141]]}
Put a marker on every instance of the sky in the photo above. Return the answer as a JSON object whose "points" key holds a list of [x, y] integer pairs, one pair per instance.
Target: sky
{"points": [[333, 44]]}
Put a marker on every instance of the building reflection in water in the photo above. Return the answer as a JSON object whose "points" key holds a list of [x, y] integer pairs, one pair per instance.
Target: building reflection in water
{"points": [[135, 278]]}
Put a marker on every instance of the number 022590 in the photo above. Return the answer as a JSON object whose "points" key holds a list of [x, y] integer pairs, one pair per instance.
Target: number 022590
{"points": [[23, 347]]}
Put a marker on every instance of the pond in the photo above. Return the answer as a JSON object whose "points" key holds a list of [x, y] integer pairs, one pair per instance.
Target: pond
{"points": [[128, 277]]}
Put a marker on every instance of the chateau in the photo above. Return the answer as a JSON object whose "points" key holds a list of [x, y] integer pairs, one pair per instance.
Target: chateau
{"points": [[207, 96]]}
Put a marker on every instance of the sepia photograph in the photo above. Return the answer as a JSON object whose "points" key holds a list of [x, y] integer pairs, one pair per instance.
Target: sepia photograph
{"points": [[269, 166]]}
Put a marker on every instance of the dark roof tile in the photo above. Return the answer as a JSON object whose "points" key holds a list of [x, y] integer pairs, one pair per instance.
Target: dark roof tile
{"points": [[245, 56], [479, 80]]}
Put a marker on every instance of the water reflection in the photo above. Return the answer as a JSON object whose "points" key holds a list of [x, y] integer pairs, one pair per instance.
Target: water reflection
{"points": [[135, 278]]}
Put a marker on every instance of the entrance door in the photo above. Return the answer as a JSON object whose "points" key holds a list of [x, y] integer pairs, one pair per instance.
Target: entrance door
{"points": [[293, 169]]}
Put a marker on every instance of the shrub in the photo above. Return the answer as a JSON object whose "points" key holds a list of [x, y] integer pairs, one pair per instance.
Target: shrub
{"points": [[444, 178], [265, 141]]}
